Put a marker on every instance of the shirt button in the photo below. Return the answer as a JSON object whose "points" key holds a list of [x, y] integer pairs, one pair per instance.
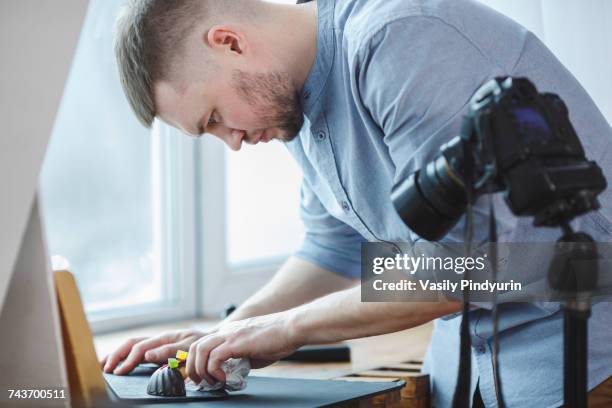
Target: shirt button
{"points": [[345, 206], [321, 136], [481, 349]]}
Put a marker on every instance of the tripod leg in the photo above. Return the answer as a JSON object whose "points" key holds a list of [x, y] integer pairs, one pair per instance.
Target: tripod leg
{"points": [[575, 364]]}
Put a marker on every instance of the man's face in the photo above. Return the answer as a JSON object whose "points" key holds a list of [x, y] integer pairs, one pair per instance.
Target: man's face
{"points": [[235, 106]]}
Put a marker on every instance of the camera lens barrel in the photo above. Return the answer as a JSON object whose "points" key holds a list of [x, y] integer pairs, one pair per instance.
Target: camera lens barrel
{"points": [[431, 200]]}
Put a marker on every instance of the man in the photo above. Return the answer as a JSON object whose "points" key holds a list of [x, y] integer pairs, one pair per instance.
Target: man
{"points": [[383, 83]]}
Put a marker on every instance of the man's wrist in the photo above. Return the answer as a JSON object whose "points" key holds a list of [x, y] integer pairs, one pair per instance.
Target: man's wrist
{"points": [[241, 313], [296, 327]]}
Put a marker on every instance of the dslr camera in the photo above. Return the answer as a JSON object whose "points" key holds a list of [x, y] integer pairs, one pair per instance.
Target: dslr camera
{"points": [[513, 140]]}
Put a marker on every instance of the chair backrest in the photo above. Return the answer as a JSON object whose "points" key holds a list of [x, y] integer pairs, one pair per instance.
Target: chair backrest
{"points": [[87, 386]]}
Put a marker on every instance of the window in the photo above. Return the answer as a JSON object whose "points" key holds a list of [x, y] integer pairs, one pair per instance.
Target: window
{"points": [[249, 203], [112, 191], [263, 204]]}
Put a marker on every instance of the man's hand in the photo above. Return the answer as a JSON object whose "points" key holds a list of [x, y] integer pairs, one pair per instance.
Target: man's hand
{"points": [[262, 339], [297, 282], [155, 349]]}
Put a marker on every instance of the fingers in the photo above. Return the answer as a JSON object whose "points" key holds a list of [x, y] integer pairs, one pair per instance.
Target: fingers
{"points": [[136, 354], [190, 364], [113, 359], [162, 353], [198, 359], [216, 358]]}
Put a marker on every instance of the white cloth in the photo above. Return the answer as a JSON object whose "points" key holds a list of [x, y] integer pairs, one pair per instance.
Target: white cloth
{"points": [[236, 371]]}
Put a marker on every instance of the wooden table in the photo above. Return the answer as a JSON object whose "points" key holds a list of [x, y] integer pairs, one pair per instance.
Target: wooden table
{"points": [[389, 357]]}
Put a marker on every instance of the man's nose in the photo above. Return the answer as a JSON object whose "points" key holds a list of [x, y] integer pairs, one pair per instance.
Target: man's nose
{"points": [[231, 137]]}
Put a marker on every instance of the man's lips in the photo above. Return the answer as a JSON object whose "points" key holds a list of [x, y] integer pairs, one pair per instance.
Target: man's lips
{"points": [[251, 138], [266, 137], [260, 136]]}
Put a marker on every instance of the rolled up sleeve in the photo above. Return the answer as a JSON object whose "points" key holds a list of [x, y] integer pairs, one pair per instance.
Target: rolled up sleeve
{"points": [[328, 242]]}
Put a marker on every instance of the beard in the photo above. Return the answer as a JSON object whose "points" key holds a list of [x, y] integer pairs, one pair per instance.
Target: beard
{"points": [[274, 100]]}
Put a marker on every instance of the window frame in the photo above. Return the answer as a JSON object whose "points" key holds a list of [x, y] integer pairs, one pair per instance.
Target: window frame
{"points": [[174, 166], [221, 284]]}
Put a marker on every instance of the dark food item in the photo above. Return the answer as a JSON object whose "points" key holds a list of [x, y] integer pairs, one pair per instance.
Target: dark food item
{"points": [[167, 382]]}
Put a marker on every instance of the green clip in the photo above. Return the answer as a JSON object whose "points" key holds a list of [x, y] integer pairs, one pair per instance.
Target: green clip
{"points": [[173, 363]]}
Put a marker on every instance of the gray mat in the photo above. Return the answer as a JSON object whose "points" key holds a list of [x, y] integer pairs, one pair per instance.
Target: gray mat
{"points": [[263, 392], [132, 388]]}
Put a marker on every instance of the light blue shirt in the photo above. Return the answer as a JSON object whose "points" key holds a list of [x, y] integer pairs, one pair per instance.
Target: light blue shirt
{"points": [[390, 83]]}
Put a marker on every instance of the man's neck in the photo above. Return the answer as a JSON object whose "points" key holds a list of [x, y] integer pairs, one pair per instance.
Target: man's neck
{"points": [[294, 30]]}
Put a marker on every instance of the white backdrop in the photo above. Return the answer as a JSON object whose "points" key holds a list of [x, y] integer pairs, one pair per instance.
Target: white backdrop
{"points": [[37, 41], [579, 32]]}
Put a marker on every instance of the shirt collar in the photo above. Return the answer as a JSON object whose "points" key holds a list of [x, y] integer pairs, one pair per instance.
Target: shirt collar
{"points": [[315, 82]]}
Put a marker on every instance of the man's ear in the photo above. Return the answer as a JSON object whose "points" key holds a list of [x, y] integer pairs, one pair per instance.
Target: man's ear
{"points": [[226, 39]]}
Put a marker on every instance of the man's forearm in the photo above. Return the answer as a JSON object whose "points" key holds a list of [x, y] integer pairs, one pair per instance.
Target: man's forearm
{"points": [[297, 282], [342, 316], [337, 316]]}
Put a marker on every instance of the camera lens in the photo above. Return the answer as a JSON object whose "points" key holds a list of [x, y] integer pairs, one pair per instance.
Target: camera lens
{"points": [[430, 201]]}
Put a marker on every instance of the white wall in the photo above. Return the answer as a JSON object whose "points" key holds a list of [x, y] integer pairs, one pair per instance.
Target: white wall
{"points": [[37, 42], [579, 32]]}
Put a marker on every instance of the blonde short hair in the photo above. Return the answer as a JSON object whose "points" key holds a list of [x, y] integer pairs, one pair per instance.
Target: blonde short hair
{"points": [[149, 39]]}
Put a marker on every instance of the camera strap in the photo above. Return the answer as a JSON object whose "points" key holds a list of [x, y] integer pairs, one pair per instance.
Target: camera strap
{"points": [[461, 397], [494, 311]]}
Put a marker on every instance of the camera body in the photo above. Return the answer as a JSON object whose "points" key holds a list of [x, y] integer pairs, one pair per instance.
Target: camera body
{"points": [[513, 139]]}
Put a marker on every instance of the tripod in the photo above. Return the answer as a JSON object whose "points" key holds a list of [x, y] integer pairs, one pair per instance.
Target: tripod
{"points": [[573, 275]]}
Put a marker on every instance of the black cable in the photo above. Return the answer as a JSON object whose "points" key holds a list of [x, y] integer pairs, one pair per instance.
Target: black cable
{"points": [[495, 311], [461, 397], [491, 164]]}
